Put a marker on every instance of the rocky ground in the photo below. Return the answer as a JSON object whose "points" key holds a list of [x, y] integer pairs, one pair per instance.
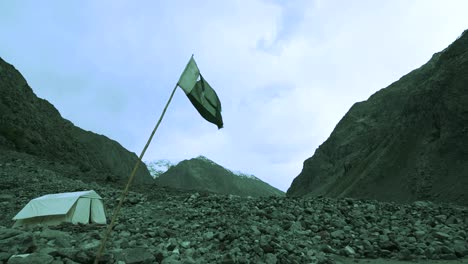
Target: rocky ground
{"points": [[159, 225]]}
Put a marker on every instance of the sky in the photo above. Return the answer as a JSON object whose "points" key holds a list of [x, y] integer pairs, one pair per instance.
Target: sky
{"points": [[286, 72]]}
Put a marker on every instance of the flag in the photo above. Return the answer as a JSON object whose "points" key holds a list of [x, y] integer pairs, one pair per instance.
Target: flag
{"points": [[200, 93]]}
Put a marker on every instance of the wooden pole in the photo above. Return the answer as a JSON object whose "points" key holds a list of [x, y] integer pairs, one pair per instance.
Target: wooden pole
{"points": [[127, 187]]}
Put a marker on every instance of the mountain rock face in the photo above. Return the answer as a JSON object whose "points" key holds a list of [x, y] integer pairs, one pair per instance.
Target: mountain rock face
{"points": [[205, 175], [407, 142], [32, 125]]}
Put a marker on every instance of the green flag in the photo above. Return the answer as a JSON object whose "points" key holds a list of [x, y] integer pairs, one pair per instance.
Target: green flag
{"points": [[200, 93]]}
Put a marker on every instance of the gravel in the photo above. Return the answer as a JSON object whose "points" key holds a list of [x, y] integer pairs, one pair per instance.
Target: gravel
{"points": [[159, 225]]}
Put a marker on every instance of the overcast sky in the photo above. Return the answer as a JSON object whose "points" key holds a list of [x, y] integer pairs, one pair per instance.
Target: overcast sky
{"points": [[285, 71]]}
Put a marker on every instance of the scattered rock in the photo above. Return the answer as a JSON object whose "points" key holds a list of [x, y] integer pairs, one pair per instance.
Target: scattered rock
{"points": [[138, 256], [53, 234], [6, 197], [163, 227], [270, 258], [208, 235], [34, 258], [349, 251], [337, 234], [16, 241], [442, 235]]}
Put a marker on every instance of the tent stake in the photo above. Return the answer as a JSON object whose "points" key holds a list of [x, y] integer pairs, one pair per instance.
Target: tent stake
{"points": [[127, 187]]}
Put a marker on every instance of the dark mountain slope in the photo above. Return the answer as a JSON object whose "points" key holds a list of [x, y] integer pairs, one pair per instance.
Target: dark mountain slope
{"points": [[205, 175], [33, 125], [408, 141]]}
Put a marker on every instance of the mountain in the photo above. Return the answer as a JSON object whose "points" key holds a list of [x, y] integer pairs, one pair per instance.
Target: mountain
{"points": [[407, 142], [205, 175], [32, 125], [158, 167]]}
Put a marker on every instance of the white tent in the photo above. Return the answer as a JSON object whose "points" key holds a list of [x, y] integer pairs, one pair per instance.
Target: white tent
{"points": [[53, 209]]}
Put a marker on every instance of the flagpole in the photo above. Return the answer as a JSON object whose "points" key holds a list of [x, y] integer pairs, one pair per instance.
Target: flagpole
{"points": [[127, 187]]}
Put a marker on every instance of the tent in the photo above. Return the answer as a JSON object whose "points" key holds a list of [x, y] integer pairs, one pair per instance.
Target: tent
{"points": [[73, 207]]}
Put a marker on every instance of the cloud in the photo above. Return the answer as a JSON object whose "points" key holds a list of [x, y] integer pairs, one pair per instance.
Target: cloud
{"points": [[285, 71]]}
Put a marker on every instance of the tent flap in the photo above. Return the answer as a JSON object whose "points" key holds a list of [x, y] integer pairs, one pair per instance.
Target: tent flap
{"points": [[98, 214], [81, 212]]}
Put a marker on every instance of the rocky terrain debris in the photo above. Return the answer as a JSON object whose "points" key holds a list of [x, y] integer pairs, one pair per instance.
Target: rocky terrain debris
{"points": [[159, 225]]}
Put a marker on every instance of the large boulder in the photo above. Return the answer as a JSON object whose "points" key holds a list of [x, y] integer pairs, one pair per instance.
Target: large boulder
{"points": [[13, 241]]}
